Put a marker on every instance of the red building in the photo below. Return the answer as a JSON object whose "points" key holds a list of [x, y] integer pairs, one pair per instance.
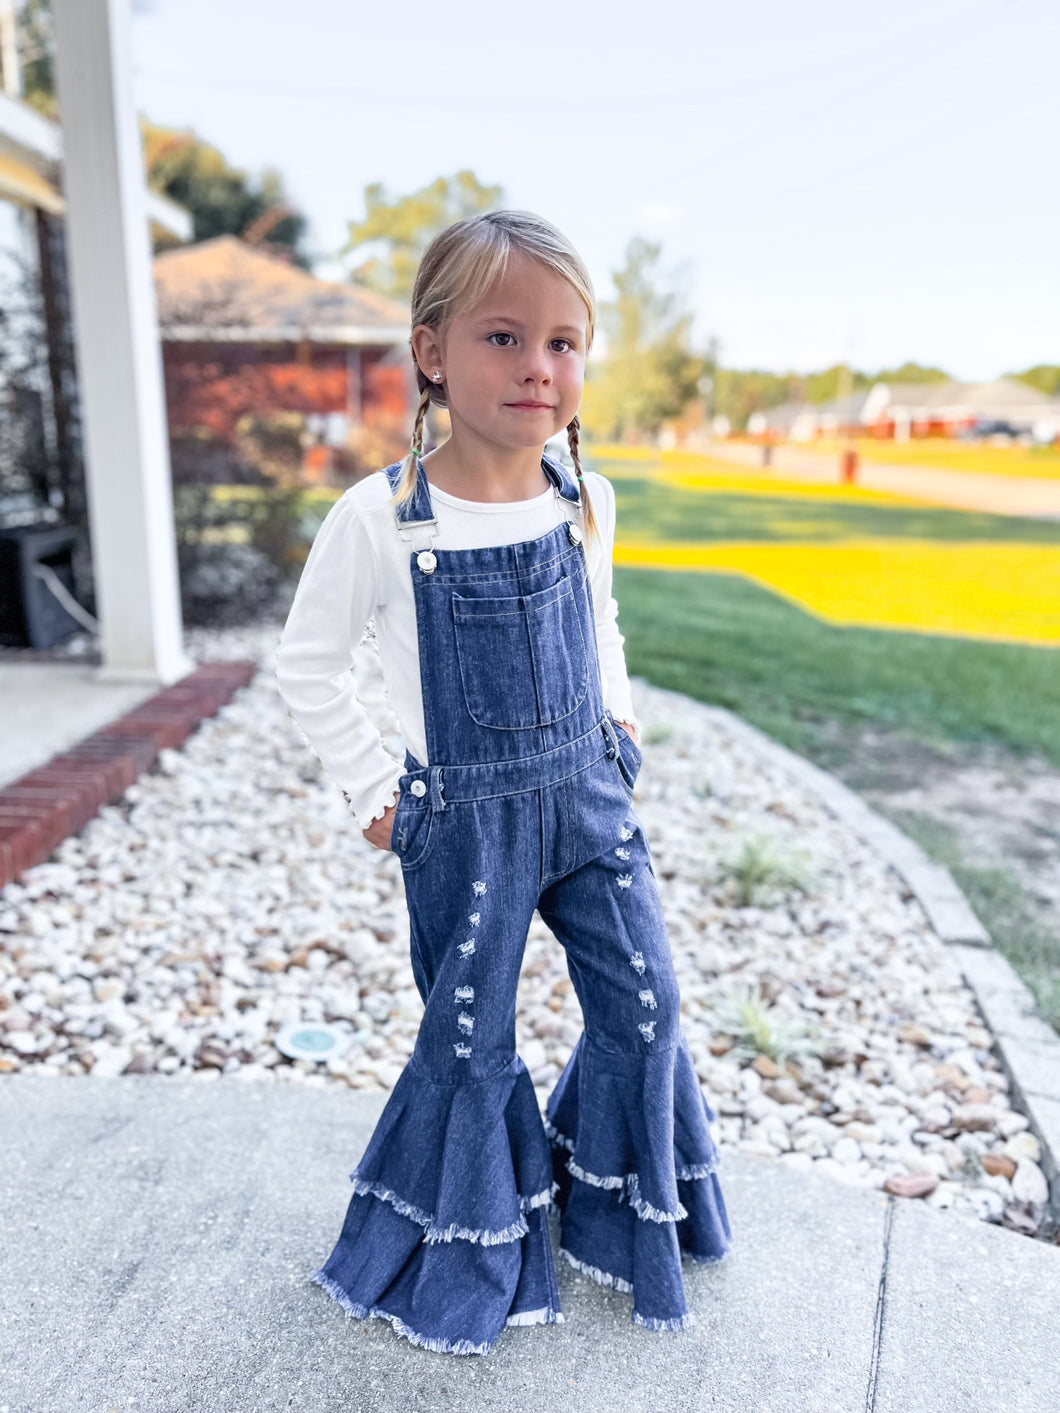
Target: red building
{"points": [[248, 337]]}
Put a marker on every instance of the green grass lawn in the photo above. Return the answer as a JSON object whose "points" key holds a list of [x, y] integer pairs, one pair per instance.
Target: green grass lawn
{"points": [[721, 638]]}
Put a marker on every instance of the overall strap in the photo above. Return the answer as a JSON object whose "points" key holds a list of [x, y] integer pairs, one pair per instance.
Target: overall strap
{"points": [[568, 492], [416, 521], [565, 483]]}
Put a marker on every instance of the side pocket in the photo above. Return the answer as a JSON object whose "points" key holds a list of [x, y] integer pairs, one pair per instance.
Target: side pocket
{"points": [[629, 757], [414, 832]]}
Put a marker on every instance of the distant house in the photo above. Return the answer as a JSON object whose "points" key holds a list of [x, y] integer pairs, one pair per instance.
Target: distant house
{"points": [[946, 409], [245, 334], [802, 421], [904, 410]]}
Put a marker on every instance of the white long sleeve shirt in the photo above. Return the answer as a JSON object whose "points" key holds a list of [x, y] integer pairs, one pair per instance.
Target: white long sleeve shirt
{"points": [[358, 570]]}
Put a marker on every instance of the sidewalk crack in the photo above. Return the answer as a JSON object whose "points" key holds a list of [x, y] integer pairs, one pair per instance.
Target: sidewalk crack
{"points": [[881, 1304]]}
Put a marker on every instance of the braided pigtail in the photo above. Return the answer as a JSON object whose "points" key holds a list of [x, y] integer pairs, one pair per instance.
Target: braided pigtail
{"points": [[407, 484], [592, 530]]}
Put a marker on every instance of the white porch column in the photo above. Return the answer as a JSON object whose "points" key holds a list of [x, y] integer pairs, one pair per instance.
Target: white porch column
{"points": [[119, 360]]}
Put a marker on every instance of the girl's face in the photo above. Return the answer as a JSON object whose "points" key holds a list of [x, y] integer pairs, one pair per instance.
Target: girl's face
{"points": [[523, 342]]}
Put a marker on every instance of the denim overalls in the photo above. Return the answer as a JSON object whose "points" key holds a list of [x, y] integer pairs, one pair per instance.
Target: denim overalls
{"points": [[526, 804]]}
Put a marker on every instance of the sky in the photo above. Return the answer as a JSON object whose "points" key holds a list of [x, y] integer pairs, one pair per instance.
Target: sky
{"points": [[827, 180]]}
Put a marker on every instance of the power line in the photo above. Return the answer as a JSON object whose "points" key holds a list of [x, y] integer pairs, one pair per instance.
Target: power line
{"points": [[868, 57]]}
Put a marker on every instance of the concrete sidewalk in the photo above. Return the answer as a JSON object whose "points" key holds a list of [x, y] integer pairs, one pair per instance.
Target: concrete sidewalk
{"points": [[158, 1236]]}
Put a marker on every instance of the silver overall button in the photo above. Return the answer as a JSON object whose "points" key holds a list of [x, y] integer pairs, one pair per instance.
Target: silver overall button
{"points": [[418, 787], [574, 533], [427, 561]]}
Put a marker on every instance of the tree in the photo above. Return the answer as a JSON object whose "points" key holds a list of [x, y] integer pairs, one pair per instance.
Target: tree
{"points": [[912, 373], [825, 386], [221, 199], [1043, 376], [738, 393], [405, 225], [35, 42], [649, 371]]}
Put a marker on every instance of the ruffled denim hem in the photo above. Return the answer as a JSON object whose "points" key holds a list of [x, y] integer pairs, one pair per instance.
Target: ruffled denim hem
{"points": [[636, 1166], [447, 1238]]}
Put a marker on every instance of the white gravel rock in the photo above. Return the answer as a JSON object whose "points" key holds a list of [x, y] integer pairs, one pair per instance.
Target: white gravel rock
{"points": [[1029, 1184]]}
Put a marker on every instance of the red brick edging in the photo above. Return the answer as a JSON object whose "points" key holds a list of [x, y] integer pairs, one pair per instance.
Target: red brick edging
{"points": [[45, 806]]}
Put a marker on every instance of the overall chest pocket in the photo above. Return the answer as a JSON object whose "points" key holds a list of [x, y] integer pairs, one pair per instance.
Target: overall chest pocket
{"points": [[523, 660]]}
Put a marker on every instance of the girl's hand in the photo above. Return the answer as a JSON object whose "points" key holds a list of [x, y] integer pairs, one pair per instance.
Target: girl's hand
{"points": [[379, 831], [631, 730]]}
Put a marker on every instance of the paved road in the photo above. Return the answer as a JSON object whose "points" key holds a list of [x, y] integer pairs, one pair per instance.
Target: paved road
{"points": [[999, 495]]}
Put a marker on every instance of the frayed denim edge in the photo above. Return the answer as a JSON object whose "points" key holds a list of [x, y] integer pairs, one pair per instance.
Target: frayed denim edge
{"points": [[364, 1312], [644, 1209], [601, 1277], [652, 1322], [688, 1172], [435, 1233]]}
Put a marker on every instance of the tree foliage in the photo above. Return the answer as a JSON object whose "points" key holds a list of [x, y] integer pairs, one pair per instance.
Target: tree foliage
{"points": [[912, 373], [405, 225], [829, 383], [35, 42], [649, 371], [739, 392], [1043, 376], [222, 199]]}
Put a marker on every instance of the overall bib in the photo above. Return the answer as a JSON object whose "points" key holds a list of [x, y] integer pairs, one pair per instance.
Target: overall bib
{"points": [[526, 804]]}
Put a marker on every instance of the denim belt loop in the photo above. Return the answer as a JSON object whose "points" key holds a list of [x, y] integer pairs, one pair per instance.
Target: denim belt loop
{"points": [[438, 800]]}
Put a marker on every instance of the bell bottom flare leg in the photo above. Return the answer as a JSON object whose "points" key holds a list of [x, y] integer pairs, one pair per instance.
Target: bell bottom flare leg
{"points": [[634, 1158], [446, 1233]]}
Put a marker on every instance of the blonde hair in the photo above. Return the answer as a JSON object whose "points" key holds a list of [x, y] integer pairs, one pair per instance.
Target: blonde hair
{"points": [[460, 264]]}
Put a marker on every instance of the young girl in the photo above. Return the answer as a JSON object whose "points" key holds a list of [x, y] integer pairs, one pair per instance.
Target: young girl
{"points": [[486, 567]]}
